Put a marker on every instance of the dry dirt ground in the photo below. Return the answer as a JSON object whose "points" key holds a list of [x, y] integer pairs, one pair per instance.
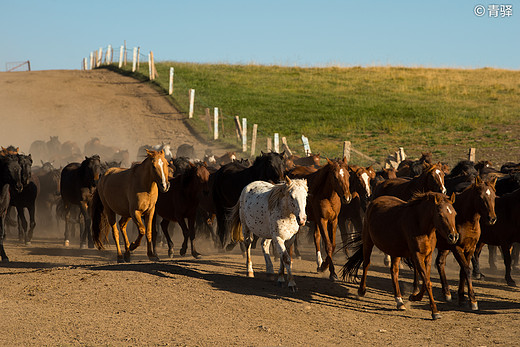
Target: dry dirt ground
{"points": [[52, 295]]}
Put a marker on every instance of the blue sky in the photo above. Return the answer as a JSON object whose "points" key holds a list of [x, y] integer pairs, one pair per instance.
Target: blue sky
{"points": [[59, 34]]}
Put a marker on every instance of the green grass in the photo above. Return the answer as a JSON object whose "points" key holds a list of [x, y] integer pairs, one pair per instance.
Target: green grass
{"points": [[378, 109]]}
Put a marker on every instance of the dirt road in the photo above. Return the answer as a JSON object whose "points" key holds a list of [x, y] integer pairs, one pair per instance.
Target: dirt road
{"points": [[52, 295]]}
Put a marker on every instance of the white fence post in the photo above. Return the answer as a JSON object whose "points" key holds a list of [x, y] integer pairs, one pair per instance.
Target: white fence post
{"points": [[109, 54], [306, 146], [85, 64], [149, 66], [276, 143], [215, 123], [99, 55], [138, 56], [192, 103], [91, 60], [244, 134], [134, 60], [346, 150], [253, 140], [121, 56], [170, 89]]}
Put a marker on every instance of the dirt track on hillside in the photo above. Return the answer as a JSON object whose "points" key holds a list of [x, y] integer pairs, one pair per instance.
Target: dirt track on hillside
{"points": [[52, 295]]}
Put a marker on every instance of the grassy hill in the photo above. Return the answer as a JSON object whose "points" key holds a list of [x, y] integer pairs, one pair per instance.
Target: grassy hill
{"points": [[378, 109]]}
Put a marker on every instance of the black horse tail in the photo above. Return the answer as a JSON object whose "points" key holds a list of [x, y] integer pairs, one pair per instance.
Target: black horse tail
{"points": [[100, 225], [349, 271], [235, 224]]}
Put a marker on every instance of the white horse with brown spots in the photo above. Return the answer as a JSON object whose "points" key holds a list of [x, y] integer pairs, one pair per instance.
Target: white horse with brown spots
{"points": [[272, 212]]}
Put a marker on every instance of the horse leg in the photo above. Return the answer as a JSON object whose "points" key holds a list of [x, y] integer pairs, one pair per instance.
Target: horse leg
{"points": [[317, 243], [22, 225], [111, 218], [394, 271], [164, 227], [266, 245], [150, 251], [191, 229], [85, 231], [330, 246], [465, 277], [285, 262], [289, 244], [475, 262], [492, 257], [423, 265], [123, 223], [515, 255], [343, 229], [185, 233], [368, 245], [440, 263], [3, 255], [247, 243], [66, 210], [506, 251], [137, 218], [32, 220], [297, 254]]}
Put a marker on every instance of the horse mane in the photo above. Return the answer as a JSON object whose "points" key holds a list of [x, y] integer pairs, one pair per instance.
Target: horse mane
{"points": [[280, 190], [419, 197]]}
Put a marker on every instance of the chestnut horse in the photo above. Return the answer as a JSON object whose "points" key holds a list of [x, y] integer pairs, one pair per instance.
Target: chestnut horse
{"points": [[328, 188], [132, 194], [181, 202], [405, 229], [476, 201]]}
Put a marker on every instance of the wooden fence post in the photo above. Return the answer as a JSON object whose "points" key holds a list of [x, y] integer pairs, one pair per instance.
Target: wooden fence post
{"points": [[109, 54], [346, 150], [269, 145], [85, 64], [121, 56], [138, 56], [285, 146], [215, 122], [192, 102], [276, 143], [244, 134], [149, 67], [471, 154], [238, 128], [91, 60], [170, 89], [152, 66], [253, 140], [208, 120], [125, 54], [134, 60], [99, 56], [306, 146]]}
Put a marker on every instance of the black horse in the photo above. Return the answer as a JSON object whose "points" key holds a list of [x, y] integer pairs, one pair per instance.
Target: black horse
{"points": [[77, 184], [231, 178], [10, 180], [25, 199]]}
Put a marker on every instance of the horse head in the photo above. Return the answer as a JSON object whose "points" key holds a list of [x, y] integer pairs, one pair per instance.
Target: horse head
{"points": [[435, 179], [340, 178], [297, 197], [444, 217], [91, 168], [485, 200], [360, 181], [202, 178], [159, 169], [25, 162], [269, 167], [11, 172]]}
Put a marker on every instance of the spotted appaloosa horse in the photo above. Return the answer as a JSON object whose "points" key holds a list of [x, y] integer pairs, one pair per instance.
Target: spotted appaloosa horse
{"points": [[272, 212]]}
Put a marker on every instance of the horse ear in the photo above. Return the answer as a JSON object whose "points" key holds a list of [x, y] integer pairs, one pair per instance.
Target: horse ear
{"points": [[287, 180], [494, 182], [345, 160], [328, 161], [262, 152], [478, 180], [452, 199]]}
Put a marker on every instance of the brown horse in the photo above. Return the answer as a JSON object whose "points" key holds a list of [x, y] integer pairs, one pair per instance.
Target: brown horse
{"points": [[181, 202], [431, 179], [328, 187], [405, 229], [132, 194], [476, 201]]}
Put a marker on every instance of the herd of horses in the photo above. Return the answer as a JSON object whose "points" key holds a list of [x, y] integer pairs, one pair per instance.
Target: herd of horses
{"points": [[406, 212]]}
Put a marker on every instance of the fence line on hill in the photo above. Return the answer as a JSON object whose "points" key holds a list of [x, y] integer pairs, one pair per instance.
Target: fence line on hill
{"points": [[196, 104]]}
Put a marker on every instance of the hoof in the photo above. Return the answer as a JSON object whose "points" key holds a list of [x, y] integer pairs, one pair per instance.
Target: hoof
{"points": [[182, 252], [478, 276], [362, 292], [127, 256], [474, 306], [90, 245], [436, 316], [5, 260], [293, 289], [415, 297], [333, 277], [510, 282], [447, 297], [230, 247], [251, 274], [82, 246], [153, 257], [170, 254], [133, 246], [401, 307], [120, 260], [196, 255], [66, 243], [27, 243]]}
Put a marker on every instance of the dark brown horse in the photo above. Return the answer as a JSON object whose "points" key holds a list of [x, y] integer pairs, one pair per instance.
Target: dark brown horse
{"points": [[430, 180], [474, 205], [503, 233], [405, 229], [328, 188], [77, 184], [181, 202], [412, 168]]}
